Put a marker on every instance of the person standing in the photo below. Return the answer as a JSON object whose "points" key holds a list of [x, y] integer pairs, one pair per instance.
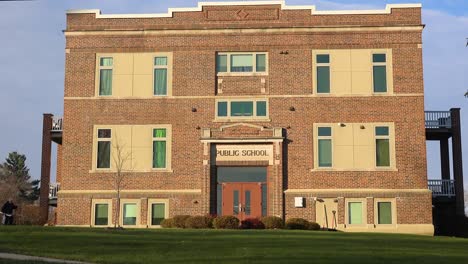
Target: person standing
{"points": [[7, 210]]}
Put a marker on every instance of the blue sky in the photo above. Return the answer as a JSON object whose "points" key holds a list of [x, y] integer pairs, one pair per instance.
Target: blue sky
{"points": [[32, 62]]}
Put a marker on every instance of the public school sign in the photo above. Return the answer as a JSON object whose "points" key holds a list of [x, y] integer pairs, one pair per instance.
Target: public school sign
{"points": [[244, 153]]}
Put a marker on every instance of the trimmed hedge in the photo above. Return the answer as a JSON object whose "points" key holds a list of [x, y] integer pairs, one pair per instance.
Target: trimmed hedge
{"points": [[198, 222], [272, 222], [179, 220], [226, 222], [167, 223], [297, 223], [252, 223], [314, 226]]}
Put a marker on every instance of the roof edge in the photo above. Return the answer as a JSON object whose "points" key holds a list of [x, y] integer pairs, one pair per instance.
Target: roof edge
{"points": [[199, 8]]}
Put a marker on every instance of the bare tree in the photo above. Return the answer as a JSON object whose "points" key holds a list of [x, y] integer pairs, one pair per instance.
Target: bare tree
{"points": [[121, 158]]}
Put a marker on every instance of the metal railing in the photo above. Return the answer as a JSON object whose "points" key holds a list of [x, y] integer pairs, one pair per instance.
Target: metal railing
{"points": [[438, 119], [57, 123], [445, 188], [53, 189]]}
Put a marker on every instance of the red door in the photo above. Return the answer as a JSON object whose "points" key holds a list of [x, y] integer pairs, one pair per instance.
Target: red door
{"points": [[243, 200]]}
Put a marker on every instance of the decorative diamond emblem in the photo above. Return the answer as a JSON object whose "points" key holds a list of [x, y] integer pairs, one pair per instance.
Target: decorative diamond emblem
{"points": [[242, 14]]}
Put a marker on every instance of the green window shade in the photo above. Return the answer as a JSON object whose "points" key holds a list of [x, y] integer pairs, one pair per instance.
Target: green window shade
{"points": [[106, 61], [129, 214], [103, 157], [159, 133], [261, 63], [242, 109], [101, 214], [241, 63], [323, 79], [380, 79], [222, 108], [325, 152], [158, 212], [382, 152], [379, 58], [261, 108], [323, 58], [381, 131], [160, 81], [105, 82], [160, 61], [355, 213], [324, 131], [159, 154], [221, 63], [385, 213]]}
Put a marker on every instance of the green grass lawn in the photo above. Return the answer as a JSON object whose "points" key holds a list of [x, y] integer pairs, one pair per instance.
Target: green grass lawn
{"points": [[229, 246]]}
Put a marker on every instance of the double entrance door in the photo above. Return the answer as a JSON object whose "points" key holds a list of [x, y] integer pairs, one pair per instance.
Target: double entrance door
{"points": [[242, 199]]}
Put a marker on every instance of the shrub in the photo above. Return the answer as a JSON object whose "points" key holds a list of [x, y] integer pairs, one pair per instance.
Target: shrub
{"points": [[297, 223], [199, 222], [252, 223], [167, 223], [27, 214], [226, 222], [179, 220], [272, 222], [314, 226]]}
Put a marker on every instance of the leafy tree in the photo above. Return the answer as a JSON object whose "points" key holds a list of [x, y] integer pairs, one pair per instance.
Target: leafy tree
{"points": [[15, 179]]}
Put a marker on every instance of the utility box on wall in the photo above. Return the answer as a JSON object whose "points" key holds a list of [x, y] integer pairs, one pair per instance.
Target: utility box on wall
{"points": [[299, 202]]}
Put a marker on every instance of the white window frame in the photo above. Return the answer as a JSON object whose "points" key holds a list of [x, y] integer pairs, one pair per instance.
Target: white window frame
{"points": [[390, 146], [167, 73], [109, 212], [316, 65], [150, 208], [138, 211], [376, 212], [98, 79], [386, 71], [254, 67], [363, 201], [317, 163], [168, 148], [97, 148], [237, 118]]}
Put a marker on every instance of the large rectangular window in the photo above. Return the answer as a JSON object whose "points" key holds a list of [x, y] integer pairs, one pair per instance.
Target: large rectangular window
{"points": [[379, 73], [384, 211], [104, 138], [105, 76], [129, 214], [355, 213], [382, 146], [101, 214], [160, 76], [158, 213], [323, 73], [241, 62], [324, 146], [159, 148], [242, 109]]}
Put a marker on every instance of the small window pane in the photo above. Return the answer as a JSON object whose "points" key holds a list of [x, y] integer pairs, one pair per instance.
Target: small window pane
{"points": [[380, 79], [103, 157], [235, 203], [323, 79], [261, 108], [104, 133], [105, 82], [101, 214], [324, 131], [160, 61], [241, 63], [382, 152], [221, 63], [384, 213], [159, 154], [381, 131], [247, 203], [325, 152], [379, 58], [106, 61], [355, 213], [325, 58], [160, 81], [261, 63], [158, 212], [159, 133], [241, 109], [222, 108], [129, 214]]}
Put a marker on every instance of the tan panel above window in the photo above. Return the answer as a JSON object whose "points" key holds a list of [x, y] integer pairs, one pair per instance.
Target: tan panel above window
{"points": [[142, 147]]}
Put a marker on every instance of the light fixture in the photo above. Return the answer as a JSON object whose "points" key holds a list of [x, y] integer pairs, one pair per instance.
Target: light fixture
{"points": [[342, 124], [292, 109], [194, 109], [363, 127]]}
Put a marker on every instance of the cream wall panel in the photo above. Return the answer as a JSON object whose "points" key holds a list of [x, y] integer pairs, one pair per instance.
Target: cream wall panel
{"points": [[361, 60], [123, 63], [363, 137], [143, 85], [144, 63], [364, 157], [122, 85], [340, 82], [142, 147], [122, 137], [343, 157], [324, 212], [340, 60], [343, 136], [361, 82]]}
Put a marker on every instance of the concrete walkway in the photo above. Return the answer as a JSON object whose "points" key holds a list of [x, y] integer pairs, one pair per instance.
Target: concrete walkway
{"points": [[32, 258]]}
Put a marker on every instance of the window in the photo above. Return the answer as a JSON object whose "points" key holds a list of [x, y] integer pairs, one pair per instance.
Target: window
{"points": [[382, 146], [105, 76], [104, 148], [158, 213], [101, 214], [129, 214], [323, 73], [355, 213], [380, 72], [324, 147], [384, 211], [159, 148], [160, 76], [249, 62], [249, 109]]}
